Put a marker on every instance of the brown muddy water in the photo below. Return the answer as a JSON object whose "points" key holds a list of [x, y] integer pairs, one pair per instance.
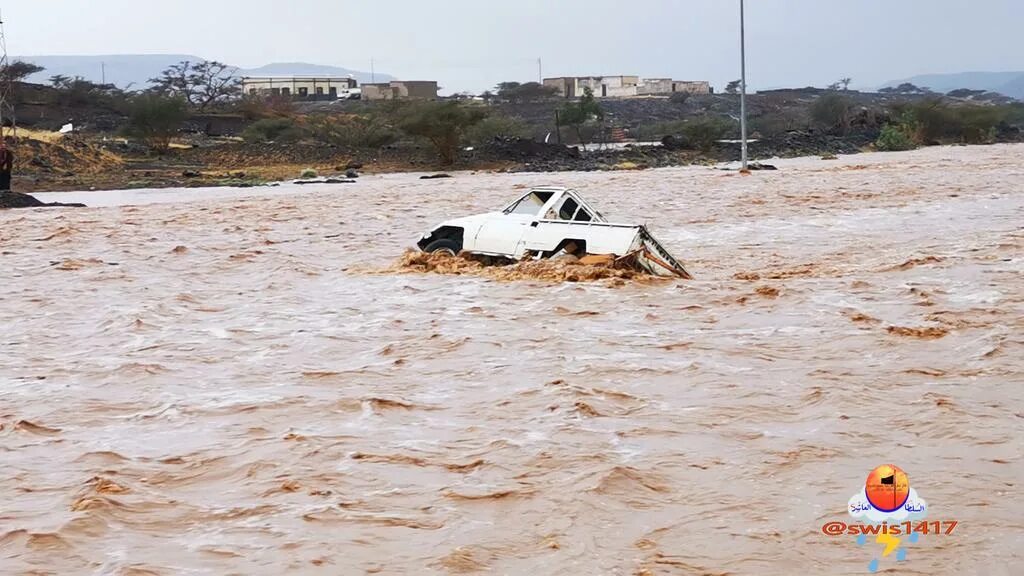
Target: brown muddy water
{"points": [[248, 385]]}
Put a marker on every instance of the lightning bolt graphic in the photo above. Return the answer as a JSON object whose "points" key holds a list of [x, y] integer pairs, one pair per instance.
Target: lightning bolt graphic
{"points": [[891, 543]]}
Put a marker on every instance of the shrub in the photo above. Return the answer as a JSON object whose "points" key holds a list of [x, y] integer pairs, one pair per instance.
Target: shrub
{"points": [[259, 107], [308, 173], [155, 119], [778, 122], [657, 130], [679, 98], [705, 133], [978, 123], [833, 112], [273, 130], [496, 127], [1014, 114], [354, 132], [934, 121], [894, 139]]}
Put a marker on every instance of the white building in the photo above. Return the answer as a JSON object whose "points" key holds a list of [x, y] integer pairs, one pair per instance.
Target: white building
{"points": [[299, 87]]}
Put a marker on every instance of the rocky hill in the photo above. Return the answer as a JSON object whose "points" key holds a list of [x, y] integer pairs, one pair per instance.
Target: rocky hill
{"points": [[1007, 83]]}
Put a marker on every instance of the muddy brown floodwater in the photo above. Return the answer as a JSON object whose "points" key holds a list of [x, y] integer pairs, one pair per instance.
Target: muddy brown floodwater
{"points": [[248, 385]]}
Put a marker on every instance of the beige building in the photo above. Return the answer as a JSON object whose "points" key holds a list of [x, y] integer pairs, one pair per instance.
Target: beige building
{"points": [[667, 86], [623, 86], [401, 90], [299, 87], [601, 86]]}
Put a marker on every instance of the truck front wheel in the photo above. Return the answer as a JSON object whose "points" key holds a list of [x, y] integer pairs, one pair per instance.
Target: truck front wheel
{"points": [[444, 245]]}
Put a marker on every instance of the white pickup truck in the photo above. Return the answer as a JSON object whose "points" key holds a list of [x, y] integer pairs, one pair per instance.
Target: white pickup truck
{"points": [[546, 222]]}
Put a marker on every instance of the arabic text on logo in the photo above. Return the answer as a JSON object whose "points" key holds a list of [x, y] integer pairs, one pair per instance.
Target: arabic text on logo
{"points": [[889, 510]]}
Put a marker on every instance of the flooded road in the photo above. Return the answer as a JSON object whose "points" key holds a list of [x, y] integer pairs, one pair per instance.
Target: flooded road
{"points": [[249, 386]]}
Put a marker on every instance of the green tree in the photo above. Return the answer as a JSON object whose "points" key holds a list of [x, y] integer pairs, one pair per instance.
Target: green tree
{"points": [[443, 124], [905, 88], [733, 87], [200, 84], [577, 114], [18, 70], [515, 92], [155, 119]]}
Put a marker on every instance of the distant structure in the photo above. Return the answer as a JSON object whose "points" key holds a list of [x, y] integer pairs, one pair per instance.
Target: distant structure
{"points": [[401, 90], [300, 87], [623, 86], [667, 86]]}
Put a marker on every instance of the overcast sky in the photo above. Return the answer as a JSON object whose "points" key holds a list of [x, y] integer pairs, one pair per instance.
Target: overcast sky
{"points": [[473, 44]]}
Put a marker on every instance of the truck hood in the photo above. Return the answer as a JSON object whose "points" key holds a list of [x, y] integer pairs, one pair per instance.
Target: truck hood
{"points": [[466, 222]]}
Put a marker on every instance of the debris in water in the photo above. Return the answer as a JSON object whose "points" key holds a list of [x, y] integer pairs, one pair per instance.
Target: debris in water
{"points": [[930, 333], [544, 270]]}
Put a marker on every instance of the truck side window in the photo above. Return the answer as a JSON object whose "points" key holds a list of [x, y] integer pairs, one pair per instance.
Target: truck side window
{"points": [[568, 209], [583, 216]]}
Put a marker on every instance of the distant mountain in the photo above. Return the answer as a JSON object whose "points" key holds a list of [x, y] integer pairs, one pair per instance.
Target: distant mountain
{"points": [[1006, 83], [304, 69], [122, 70], [135, 70]]}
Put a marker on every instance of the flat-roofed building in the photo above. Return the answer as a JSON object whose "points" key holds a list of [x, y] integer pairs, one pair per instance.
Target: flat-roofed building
{"points": [[623, 86], [401, 90], [299, 87], [601, 86]]}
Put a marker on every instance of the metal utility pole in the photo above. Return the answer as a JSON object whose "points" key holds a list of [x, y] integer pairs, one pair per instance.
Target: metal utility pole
{"points": [[103, 73], [6, 106], [743, 89], [540, 71]]}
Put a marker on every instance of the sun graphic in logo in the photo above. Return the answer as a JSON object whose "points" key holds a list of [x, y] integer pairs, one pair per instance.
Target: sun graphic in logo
{"points": [[887, 488]]}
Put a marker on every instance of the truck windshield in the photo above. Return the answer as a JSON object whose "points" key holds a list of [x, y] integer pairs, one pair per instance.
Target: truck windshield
{"points": [[530, 204]]}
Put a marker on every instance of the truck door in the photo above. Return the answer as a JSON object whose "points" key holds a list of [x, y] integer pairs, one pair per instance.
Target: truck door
{"points": [[501, 235]]}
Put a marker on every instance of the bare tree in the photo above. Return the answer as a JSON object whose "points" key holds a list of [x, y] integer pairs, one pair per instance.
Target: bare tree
{"points": [[200, 84]]}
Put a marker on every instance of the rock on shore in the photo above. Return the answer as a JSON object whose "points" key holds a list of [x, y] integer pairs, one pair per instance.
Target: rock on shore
{"points": [[10, 199]]}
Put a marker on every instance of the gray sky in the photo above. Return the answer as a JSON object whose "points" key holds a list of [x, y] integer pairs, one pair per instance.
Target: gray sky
{"points": [[473, 44]]}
